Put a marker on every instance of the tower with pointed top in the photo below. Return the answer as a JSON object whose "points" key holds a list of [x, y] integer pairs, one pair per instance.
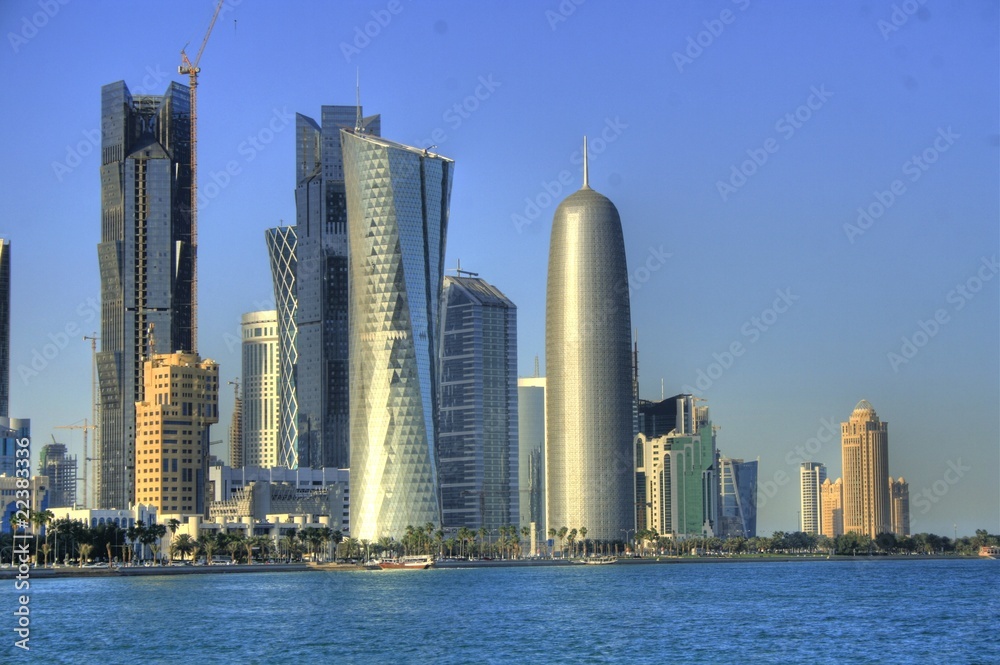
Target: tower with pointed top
{"points": [[589, 384], [865, 456]]}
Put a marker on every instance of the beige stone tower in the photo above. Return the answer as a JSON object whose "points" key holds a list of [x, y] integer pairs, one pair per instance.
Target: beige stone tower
{"points": [[865, 455]]}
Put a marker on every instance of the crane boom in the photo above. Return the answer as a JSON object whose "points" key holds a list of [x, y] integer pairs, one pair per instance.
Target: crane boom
{"points": [[192, 69]]}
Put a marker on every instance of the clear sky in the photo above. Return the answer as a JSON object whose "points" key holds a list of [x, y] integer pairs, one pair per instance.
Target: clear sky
{"points": [[738, 139]]}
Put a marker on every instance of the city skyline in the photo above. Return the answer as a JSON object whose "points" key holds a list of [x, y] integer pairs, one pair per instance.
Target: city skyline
{"points": [[770, 267]]}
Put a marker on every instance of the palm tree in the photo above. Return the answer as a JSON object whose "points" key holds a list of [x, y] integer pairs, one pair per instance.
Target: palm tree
{"points": [[153, 538], [41, 519], [184, 544], [482, 533], [571, 539], [526, 534], [562, 534], [583, 537], [553, 533], [85, 549], [234, 543], [207, 544]]}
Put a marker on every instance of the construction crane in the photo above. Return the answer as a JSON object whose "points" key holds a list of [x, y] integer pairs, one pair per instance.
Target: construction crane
{"points": [[86, 426], [192, 69], [94, 413]]}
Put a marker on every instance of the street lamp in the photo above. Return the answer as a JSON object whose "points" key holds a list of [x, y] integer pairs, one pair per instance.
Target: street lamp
{"points": [[627, 531]]}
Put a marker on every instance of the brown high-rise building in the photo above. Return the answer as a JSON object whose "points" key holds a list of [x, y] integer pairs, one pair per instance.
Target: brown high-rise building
{"points": [[865, 454], [171, 444], [832, 499], [899, 495]]}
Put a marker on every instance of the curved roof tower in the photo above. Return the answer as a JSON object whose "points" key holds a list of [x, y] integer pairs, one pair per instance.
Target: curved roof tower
{"points": [[589, 396]]}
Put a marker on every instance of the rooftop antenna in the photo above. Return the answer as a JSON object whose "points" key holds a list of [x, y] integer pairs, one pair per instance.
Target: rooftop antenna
{"points": [[459, 272], [586, 184], [359, 123]]}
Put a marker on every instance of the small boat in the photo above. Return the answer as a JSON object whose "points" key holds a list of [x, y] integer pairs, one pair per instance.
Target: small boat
{"points": [[414, 562], [989, 551], [600, 560]]}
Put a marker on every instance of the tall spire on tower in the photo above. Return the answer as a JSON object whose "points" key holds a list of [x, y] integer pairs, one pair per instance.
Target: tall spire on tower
{"points": [[586, 185], [359, 123]]}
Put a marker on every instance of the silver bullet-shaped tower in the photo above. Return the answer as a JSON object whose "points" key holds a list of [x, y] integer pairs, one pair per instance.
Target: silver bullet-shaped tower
{"points": [[589, 392]]}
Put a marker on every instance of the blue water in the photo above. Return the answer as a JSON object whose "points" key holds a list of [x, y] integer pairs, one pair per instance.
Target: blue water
{"points": [[868, 611]]}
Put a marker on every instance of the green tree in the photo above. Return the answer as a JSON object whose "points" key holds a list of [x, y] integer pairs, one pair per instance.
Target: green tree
{"points": [[184, 544]]}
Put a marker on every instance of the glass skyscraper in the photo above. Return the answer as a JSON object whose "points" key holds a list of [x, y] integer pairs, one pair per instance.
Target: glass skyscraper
{"points": [[477, 445], [397, 202], [738, 498], [531, 451], [146, 261], [323, 393], [282, 244]]}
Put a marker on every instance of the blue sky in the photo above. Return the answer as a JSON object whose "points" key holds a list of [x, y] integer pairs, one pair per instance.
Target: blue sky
{"points": [[738, 139]]}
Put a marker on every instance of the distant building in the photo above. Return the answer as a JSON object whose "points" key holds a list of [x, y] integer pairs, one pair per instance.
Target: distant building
{"points": [[181, 401], [865, 453], [738, 498], [261, 378], [663, 417], [282, 244], [4, 327], [60, 468], [832, 502], [11, 430], [811, 477], [397, 219], [147, 262], [478, 441], [531, 451], [677, 483], [235, 434], [899, 495], [38, 491]]}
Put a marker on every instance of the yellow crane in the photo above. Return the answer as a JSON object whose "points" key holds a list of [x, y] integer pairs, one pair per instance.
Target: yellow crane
{"points": [[86, 426], [192, 69]]}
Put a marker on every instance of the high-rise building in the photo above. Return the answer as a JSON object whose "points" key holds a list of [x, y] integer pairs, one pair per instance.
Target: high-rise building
{"points": [[236, 432], [397, 202], [146, 260], [282, 247], [738, 498], [12, 430], [181, 401], [261, 369], [811, 477], [589, 398], [865, 454], [4, 327], [531, 451], [60, 468], [477, 443], [677, 482], [899, 495], [321, 284], [663, 417], [831, 497]]}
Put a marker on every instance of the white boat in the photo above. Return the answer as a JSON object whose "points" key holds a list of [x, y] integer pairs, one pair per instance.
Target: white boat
{"points": [[413, 562]]}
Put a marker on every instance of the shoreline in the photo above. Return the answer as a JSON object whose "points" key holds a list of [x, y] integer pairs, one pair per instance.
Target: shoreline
{"points": [[75, 572]]}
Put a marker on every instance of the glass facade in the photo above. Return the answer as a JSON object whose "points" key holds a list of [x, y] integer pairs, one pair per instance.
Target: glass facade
{"points": [[589, 401], [738, 498], [477, 444], [811, 477], [282, 246], [531, 451], [146, 262], [397, 200], [321, 280]]}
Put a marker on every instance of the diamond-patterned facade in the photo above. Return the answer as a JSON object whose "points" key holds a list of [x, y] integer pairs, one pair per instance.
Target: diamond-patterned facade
{"points": [[282, 250]]}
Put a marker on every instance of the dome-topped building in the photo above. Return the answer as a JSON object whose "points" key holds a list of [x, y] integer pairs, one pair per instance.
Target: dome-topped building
{"points": [[589, 393], [865, 457]]}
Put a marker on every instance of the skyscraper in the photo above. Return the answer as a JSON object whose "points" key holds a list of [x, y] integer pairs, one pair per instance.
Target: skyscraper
{"points": [[832, 500], [531, 451], [397, 201], [146, 261], [589, 401], [261, 367], [60, 469], [181, 401], [865, 453], [282, 245], [4, 327], [811, 477], [899, 495], [477, 443], [321, 284], [738, 498]]}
